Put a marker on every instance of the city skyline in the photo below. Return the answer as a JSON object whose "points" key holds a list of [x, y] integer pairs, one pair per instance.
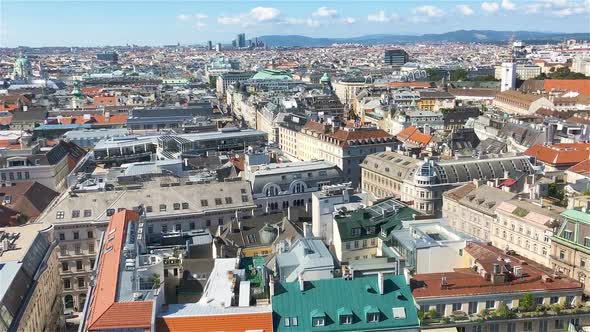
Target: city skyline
{"points": [[195, 22]]}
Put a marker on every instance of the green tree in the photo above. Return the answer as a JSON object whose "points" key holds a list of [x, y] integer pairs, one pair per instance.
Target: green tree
{"points": [[503, 310], [527, 301], [432, 313]]}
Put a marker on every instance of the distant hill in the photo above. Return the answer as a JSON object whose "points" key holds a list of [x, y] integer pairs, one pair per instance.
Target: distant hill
{"points": [[465, 36]]}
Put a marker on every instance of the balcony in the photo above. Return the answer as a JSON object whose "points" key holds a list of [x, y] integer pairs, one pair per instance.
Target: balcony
{"points": [[459, 318]]}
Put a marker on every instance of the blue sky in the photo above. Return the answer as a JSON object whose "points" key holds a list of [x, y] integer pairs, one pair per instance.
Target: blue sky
{"points": [[149, 22]]}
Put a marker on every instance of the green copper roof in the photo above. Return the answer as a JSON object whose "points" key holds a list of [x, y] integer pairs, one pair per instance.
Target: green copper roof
{"points": [[325, 78], [576, 215], [383, 217], [272, 74], [331, 298]]}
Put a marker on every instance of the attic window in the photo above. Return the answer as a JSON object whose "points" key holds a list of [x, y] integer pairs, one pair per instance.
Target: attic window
{"points": [[176, 206], [87, 213], [356, 231], [184, 206], [59, 215], [162, 207], [110, 212], [75, 213], [344, 316], [399, 313], [108, 249], [148, 208]]}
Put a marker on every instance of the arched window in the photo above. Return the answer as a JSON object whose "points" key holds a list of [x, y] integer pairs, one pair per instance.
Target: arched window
{"points": [[69, 301], [271, 189], [297, 187]]}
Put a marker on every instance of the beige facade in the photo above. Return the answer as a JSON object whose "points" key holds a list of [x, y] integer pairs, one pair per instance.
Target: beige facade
{"points": [[526, 228], [79, 221], [30, 274]]}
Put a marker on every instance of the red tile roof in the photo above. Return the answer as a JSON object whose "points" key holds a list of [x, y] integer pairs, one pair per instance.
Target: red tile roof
{"points": [[562, 154], [349, 134], [95, 118], [582, 168], [409, 85], [580, 86], [210, 323], [414, 136], [466, 282], [105, 312]]}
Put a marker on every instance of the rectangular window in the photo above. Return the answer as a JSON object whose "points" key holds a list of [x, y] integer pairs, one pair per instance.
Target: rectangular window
{"points": [[62, 236], [177, 227], [76, 235], [184, 206], [176, 206], [75, 213], [91, 248], [356, 244], [65, 266], [373, 317], [345, 319], [81, 283], [567, 235], [148, 208], [164, 228], [67, 284], [440, 308], [162, 207], [490, 304], [218, 201], [553, 299], [92, 262], [228, 200], [59, 215], [527, 326], [456, 306], [294, 321], [587, 242], [90, 234], [78, 265], [318, 321], [77, 248], [87, 213], [287, 321], [110, 212], [191, 225], [472, 307], [204, 202]]}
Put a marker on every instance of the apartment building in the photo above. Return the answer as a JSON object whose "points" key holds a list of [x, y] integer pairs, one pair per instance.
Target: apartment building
{"points": [[280, 186], [481, 295], [526, 227], [49, 167], [570, 246], [30, 290], [424, 182], [78, 218], [346, 147], [471, 208], [518, 103], [357, 233]]}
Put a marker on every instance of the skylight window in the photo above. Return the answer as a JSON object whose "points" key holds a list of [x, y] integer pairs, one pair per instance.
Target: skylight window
{"points": [[59, 215], [399, 313]]}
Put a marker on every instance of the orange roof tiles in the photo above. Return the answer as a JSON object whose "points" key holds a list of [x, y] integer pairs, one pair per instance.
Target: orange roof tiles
{"points": [[580, 86], [582, 167], [413, 135], [210, 323], [562, 154], [105, 312], [95, 118]]}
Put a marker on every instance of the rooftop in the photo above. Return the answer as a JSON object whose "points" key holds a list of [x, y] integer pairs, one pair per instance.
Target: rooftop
{"points": [[393, 309], [468, 282]]}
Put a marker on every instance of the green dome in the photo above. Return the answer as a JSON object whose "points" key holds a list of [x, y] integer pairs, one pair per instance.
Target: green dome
{"points": [[22, 61], [325, 78]]}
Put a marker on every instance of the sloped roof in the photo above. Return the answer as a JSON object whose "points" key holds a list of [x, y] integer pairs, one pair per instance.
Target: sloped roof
{"points": [[105, 312], [582, 167], [27, 198], [561, 154], [325, 298], [257, 321], [580, 86]]}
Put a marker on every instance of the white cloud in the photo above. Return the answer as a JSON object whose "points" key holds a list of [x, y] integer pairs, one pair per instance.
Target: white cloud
{"points": [[254, 16], [184, 17], [508, 5], [465, 10], [490, 7], [348, 20], [264, 14], [201, 16], [429, 11], [325, 12], [559, 8], [379, 17]]}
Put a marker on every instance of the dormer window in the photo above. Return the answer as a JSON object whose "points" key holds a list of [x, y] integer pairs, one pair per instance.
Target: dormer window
{"points": [[372, 314], [318, 318], [356, 231], [344, 316]]}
